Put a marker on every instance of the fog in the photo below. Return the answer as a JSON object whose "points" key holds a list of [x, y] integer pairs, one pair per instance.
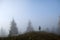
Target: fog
{"points": [[41, 13]]}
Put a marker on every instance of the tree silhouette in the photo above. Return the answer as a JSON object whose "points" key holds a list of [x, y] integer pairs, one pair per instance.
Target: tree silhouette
{"points": [[30, 28], [2, 32], [13, 30], [58, 26]]}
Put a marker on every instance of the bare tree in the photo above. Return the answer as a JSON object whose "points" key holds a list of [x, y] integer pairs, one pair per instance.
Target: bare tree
{"points": [[13, 30]]}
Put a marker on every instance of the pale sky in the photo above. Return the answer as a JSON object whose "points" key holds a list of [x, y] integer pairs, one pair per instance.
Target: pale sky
{"points": [[41, 12]]}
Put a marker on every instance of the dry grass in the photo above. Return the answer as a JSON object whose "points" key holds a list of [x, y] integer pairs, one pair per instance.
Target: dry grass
{"points": [[34, 36]]}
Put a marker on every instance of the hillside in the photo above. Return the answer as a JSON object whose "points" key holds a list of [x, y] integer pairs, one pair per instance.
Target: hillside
{"points": [[34, 36]]}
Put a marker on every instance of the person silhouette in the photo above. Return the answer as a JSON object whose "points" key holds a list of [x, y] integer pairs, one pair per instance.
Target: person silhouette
{"points": [[39, 28]]}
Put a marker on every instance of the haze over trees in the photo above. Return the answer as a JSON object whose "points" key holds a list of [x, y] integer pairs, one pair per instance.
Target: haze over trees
{"points": [[30, 27], [13, 29], [3, 32], [58, 29]]}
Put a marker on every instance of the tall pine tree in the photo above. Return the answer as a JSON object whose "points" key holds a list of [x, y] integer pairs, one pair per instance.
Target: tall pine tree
{"points": [[13, 29], [29, 28]]}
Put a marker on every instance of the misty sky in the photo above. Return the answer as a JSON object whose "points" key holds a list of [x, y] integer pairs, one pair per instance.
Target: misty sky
{"points": [[41, 12]]}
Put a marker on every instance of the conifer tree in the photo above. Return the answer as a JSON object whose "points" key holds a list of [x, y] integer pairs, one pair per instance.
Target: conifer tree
{"points": [[13, 29], [30, 28]]}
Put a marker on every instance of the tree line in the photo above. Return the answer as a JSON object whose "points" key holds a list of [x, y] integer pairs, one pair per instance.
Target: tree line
{"points": [[14, 30]]}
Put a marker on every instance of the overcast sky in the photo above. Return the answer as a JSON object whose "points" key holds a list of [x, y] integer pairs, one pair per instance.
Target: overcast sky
{"points": [[41, 12]]}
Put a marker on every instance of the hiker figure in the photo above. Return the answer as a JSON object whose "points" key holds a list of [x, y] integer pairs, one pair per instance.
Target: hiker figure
{"points": [[39, 28]]}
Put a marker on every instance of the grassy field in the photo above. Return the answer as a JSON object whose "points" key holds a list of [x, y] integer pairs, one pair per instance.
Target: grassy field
{"points": [[33, 36]]}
